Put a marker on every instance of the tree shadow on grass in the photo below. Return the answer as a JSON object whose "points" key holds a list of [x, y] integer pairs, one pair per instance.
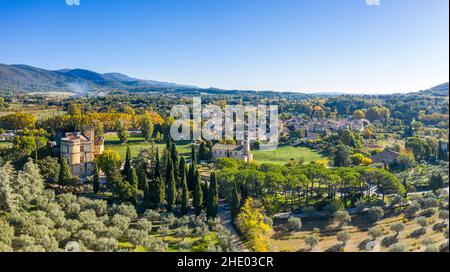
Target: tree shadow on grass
{"points": [[439, 227], [362, 245], [417, 233], [389, 241], [335, 248]]}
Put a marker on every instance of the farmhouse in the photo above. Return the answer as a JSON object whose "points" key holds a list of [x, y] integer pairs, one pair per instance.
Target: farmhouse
{"points": [[385, 157], [241, 152], [80, 150]]}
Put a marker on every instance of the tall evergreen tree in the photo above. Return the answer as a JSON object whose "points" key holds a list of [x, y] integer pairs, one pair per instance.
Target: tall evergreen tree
{"points": [[127, 166], [185, 195], [64, 173], [157, 170], [158, 192], [191, 178], [198, 194], [174, 157], [192, 170], [171, 189], [213, 197], [205, 191], [235, 202], [182, 170], [202, 152], [96, 182]]}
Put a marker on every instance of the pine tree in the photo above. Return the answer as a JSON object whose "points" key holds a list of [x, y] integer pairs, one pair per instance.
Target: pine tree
{"points": [[96, 182], [213, 197], [127, 166], [171, 189], [64, 173], [198, 194], [185, 195], [235, 202]]}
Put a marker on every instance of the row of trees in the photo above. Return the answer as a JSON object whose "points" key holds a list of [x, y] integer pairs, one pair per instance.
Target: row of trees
{"points": [[280, 187], [164, 182]]}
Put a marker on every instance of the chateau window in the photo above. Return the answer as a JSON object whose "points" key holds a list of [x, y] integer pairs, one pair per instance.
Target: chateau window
{"points": [[82, 159], [82, 148]]}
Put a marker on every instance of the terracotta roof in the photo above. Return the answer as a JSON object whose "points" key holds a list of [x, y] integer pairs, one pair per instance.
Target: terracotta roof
{"points": [[73, 136], [227, 147]]}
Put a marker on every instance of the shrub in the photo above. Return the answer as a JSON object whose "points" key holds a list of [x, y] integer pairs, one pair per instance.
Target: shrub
{"points": [[375, 232], [182, 232], [375, 213], [125, 210], [120, 221], [397, 248], [294, 224], [136, 237], [144, 224], [87, 238], [342, 218], [107, 245], [152, 215]]}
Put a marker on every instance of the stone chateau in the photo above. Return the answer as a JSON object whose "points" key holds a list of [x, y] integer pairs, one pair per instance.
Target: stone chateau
{"points": [[80, 150]]}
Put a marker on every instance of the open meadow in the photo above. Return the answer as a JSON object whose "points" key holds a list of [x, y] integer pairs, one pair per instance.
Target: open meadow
{"points": [[283, 154]]}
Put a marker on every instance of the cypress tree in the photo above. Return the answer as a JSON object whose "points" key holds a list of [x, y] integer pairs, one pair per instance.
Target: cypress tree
{"points": [[213, 197], [127, 167], [171, 189], [64, 173], [157, 192], [193, 154], [157, 170], [202, 154], [191, 178], [141, 171], [182, 170], [133, 178], [169, 168], [205, 191], [235, 202], [198, 194], [174, 157], [185, 195], [96, 182]]}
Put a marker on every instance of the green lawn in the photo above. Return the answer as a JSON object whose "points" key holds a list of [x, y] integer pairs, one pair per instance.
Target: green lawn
{"points": [[5, 144], [137, 143], [283, 154]]}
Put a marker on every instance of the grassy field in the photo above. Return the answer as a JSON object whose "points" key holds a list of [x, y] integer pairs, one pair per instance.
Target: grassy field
{"points": [[137, 143], [5, 144], [283, 240], [284, 153], [41, 114]]}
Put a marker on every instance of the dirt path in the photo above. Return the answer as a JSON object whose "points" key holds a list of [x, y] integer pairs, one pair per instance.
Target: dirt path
{"points": [[225, 217]]}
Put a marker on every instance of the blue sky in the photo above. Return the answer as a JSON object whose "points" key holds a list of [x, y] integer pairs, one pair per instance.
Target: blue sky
{"points": [[282, 45]]}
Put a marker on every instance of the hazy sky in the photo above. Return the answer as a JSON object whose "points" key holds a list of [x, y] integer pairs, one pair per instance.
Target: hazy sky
{"points": [[282, 45]]}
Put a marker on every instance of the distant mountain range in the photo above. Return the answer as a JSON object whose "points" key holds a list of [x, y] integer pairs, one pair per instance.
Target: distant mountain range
{"points": [[31, 79], [440, 90]]}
